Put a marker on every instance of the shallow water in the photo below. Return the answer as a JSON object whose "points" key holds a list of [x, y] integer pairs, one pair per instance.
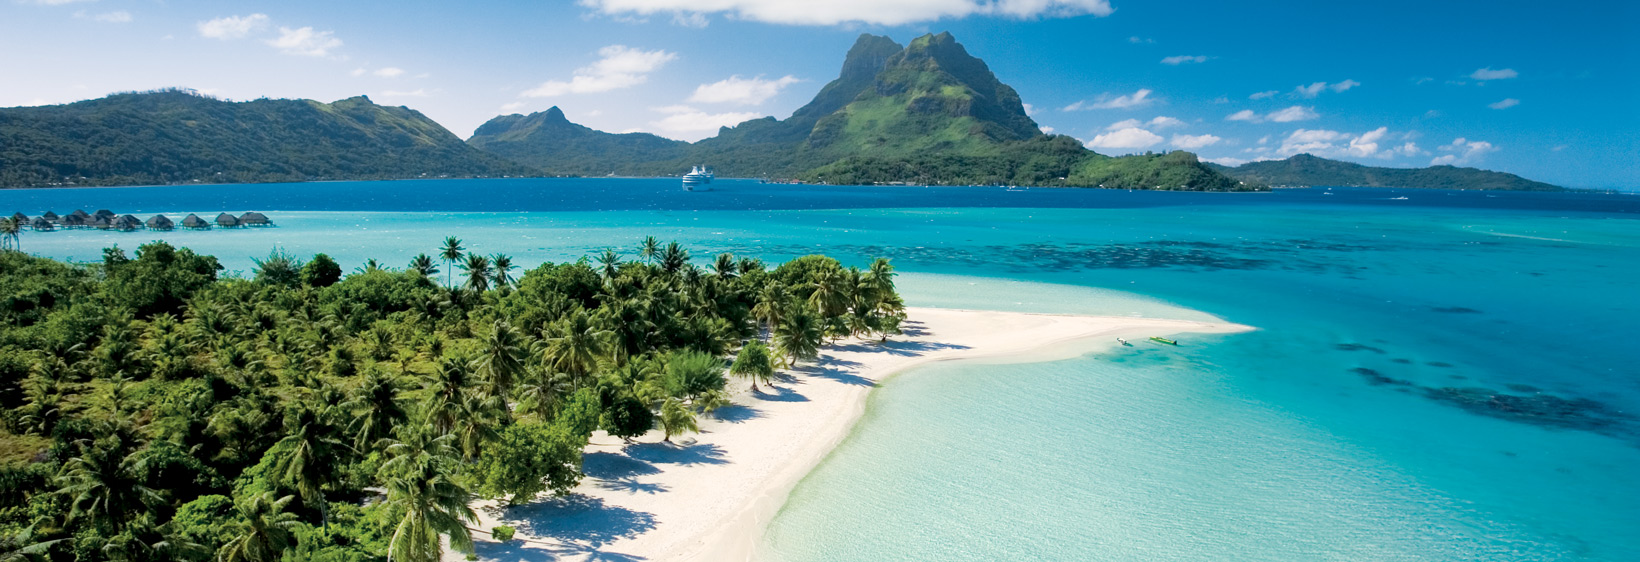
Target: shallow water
{"points": [[1449, 376]]}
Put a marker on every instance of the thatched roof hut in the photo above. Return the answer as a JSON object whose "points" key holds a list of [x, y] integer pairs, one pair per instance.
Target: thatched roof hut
{"points": [[227, 221], [105, 213], [193, 221], [160, 222], [19, 217], [254, 218], [76, 221], [40, 223], [127, 222], [50, 216], [82, 214], [99, 221]]}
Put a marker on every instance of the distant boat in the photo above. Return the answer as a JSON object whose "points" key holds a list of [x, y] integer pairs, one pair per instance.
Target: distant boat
{"points": [[698, 179], [1159, 339]]}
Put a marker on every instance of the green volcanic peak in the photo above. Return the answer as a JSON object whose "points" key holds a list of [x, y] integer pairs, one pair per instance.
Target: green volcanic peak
{"points": [[176, 136], [1306, 170]]}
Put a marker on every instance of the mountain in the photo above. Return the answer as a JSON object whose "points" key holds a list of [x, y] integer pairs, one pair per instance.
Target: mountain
{"points": [[176, 136], [549, 141], [1305, 169], [928, 112]]}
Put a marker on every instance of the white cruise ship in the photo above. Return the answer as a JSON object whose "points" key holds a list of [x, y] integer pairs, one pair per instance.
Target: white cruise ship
{"points": [[698, 179]]}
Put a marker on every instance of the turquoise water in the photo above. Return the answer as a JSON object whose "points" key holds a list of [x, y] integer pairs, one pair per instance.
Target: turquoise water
{"points": [[1445, 377]]}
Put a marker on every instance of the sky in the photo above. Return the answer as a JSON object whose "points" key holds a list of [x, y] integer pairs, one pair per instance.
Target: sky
{"points": [[1547, 91]]}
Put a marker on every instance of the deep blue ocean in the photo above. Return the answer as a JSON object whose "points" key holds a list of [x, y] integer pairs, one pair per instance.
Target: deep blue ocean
{"points": [[1436, 375]]}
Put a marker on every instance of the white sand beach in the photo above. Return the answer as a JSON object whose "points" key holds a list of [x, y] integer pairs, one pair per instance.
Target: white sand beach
{"points": [[708, 497]]}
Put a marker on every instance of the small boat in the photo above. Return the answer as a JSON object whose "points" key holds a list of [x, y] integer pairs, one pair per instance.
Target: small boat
{"points": [[1159, 339], [1124, 342], [698, 179]]}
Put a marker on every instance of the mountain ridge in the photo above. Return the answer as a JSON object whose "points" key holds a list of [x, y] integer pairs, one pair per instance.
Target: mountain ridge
{"points": [[1310, 170], [178, 136]]}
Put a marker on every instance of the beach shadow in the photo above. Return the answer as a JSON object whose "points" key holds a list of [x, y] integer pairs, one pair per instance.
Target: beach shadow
{"points": [[673, 453], [913, 328], [832, 370], [736, 413], [610, 466], [576, 519], [780, 393]]}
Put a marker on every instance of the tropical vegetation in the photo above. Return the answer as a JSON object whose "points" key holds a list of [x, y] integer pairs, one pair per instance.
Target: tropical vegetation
{"points": [[152, 408]]}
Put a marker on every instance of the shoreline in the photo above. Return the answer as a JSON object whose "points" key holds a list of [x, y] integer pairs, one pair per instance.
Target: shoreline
{"points": [[710, 496]]}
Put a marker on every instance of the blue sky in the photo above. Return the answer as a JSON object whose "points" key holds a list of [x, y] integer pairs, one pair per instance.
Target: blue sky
{"points": [[1548, 91]]}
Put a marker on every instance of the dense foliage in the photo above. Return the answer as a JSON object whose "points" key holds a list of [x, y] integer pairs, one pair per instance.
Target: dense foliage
{"points": [[176, 136], [152, 410], [926, 113], [1307, 170]]}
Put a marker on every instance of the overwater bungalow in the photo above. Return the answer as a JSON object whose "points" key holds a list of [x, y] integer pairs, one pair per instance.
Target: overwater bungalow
{"points": [[160, 222], [40, 223], [51, 216], [82, 214], [99, 221], [127, 222], [20, 217], [75, 220], [105, 214], [254, 218], [193, 221], [225, 220]]}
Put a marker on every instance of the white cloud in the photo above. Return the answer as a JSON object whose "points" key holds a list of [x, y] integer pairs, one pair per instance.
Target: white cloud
{"points": [[305, 41], [232, 27], [1140, 98], [1181, 59], [1487, 73], [691, 124], [1462, 151], [696, 20], [1159, 122], [513, 107], [1140, 40], [1191, 142], [1367, 143], [357, 72], [1294, 113], [1505, 103], [833, 12], [1129, 138], [1226, 161], [1315, 88], [1030, 110], [1263, 94], [620, 67], [389, 72], [1323, 142], [745, 91], [1244, 115], [1046, 130], [117, 16]]}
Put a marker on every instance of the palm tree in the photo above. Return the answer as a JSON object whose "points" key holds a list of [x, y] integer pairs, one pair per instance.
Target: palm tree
{"points": [[609, 263], [427, 502], [649, 249], [377, 407], [502, 359], [10, 231], [831, 294], [447, 394], [575, 345], [674, 258], [753, 363], [262, 532], [308, 456], [676, 419], [105, 483], [540, 391], [450, 253], [798, 337], [424, 265], [503, 271], [725, 266], [771, 305], [478, 273]]}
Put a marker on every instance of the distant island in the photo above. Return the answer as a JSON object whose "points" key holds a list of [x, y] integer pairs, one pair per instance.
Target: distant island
{"points": [[1307, 170], [927, 113]]}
